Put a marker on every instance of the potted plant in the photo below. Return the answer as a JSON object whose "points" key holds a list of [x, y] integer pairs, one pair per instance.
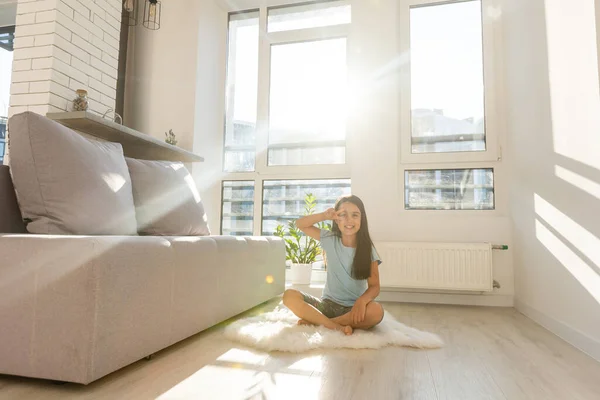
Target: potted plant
{"points": [[301, 250]]}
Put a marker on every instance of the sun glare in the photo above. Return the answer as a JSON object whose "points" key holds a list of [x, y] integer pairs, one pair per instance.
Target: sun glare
{"points": [[585, 275], [244, 356], [114, 181], [581, 182], [582, 239], [243, 382], [308, 364], [573, 79]]}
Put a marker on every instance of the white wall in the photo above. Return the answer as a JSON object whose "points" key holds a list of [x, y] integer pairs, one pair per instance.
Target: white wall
{"points": [[210, 107], [554, 125], [160, 74]]}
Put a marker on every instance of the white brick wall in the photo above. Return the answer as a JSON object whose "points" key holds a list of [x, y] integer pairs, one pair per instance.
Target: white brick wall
{"points": [[62, 46]]}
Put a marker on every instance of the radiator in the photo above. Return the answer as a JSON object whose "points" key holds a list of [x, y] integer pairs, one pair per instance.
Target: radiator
{"points": [[442, 266]]}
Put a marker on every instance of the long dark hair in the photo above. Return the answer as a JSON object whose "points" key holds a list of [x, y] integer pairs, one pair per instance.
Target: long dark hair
{"points": [[361, 267]]}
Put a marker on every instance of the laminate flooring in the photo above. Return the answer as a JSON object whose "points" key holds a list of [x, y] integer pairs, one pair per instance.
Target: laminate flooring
{"points": [[490, 353]]}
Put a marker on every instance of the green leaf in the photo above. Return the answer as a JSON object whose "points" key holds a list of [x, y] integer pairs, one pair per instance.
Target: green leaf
{"points": [[299, 247]]}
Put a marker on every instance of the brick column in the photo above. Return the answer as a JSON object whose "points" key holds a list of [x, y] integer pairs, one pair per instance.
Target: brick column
{"points": [[62, 46]]}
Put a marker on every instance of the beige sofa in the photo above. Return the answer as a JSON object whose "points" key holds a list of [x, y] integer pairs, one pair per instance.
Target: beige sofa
{"points": [[76, 308]]}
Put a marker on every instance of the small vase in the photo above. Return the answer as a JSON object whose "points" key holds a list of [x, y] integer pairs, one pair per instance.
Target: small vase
{"points": [[80, 103]]}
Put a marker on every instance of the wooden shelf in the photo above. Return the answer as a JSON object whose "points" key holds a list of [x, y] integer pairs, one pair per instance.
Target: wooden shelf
{"points": [[135, 144]]}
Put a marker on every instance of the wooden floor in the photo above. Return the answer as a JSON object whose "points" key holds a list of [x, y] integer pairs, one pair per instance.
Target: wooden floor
{"points": [[490, 353]]}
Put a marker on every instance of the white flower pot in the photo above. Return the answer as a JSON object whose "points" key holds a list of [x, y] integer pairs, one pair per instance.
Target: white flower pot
{"points": [[300, 274]]}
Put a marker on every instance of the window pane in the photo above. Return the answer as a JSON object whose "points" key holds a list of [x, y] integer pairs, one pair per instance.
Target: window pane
{"points": [[449, 189], [237, 211], [284, 200], [6, 59], [309, 16], [241, 94], [447, 95], [307, 118], [3, 123]]}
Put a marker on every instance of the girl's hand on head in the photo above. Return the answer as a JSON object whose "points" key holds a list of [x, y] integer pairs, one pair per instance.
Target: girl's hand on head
{"points": [[331, 214]]}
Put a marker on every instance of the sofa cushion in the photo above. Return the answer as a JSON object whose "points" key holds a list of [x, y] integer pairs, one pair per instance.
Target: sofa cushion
{"points": [[10, 216], [67, 184], [166, 199]]}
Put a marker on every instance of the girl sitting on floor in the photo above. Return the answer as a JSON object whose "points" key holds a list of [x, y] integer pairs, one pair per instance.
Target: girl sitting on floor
{"points": [[352, 271]]}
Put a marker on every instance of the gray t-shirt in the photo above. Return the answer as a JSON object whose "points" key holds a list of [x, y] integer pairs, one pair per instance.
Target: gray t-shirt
{"points": [[341, 287]]}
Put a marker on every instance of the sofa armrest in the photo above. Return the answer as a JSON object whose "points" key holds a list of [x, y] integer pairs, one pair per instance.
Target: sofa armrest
{"points": [[66, 298]]}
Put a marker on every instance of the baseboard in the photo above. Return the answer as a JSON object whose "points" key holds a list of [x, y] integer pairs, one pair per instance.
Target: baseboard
{"points": [[583, 342], [492, 300]]}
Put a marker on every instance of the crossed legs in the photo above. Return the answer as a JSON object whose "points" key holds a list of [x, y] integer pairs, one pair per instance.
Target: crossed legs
{"points": [[373, 316], [294, 300]]}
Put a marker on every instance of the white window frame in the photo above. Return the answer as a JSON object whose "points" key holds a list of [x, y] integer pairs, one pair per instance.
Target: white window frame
{"points": [[497, 210], [491, 48], [262, 171], [500, 201]]}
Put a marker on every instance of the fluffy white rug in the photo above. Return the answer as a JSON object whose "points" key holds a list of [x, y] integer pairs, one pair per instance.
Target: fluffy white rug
{"points": [[278, 331]]}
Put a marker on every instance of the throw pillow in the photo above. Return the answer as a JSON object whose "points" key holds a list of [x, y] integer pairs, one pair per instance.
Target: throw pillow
{"points": [[67, 184], [166, 199]]}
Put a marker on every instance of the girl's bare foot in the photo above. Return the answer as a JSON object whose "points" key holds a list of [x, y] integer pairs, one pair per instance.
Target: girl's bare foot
{"points": [[303, 322], [345, 329]]}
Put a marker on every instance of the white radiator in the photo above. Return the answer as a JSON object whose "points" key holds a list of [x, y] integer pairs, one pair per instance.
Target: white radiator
{"points": [[443, 266]]}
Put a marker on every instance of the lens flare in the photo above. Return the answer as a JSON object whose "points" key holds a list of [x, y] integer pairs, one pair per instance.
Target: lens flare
{"points": [[269, 279]]}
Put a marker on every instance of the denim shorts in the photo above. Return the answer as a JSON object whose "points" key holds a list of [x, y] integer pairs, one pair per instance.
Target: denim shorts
{"points": [[327, 307]]}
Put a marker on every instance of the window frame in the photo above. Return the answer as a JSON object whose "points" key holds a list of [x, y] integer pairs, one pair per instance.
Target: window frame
{"points": [[266, 40], [262, 171], [228, 119], [491, 47], [454, 210], [304, 3], [10, 30], [499, 174], [222, 203]]}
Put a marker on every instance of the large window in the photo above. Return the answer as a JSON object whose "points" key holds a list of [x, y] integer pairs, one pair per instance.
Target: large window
{"points": [[286, 110], [237, 212], [447, 98], [449, 189], [286, 97], [7, 35], [448, 111], [284, 200], [241, 92], [307, 113]]}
